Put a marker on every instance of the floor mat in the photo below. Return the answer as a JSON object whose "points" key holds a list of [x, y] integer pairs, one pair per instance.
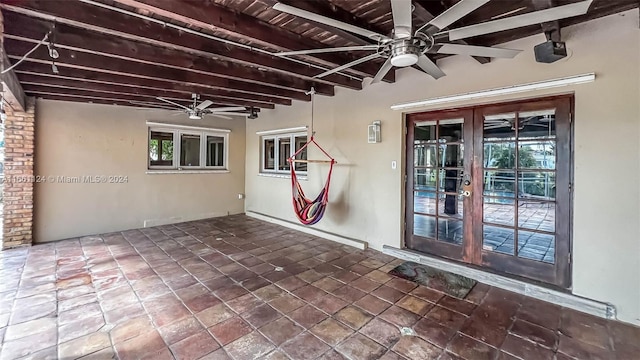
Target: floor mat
{"points": [[449, 283]]}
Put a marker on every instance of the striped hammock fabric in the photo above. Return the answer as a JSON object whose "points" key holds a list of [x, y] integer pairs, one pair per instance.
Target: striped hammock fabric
{"points": [[309, 211]]}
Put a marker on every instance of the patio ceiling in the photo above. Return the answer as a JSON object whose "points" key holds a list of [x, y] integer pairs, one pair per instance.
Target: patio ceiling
{"points": [[118, 51]]}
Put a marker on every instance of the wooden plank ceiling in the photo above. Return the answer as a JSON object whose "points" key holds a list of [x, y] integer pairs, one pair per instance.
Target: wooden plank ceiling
{"points": [[118, 51]]}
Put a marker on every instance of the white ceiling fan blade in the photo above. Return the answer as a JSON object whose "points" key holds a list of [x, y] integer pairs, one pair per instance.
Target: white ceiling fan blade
{"points": [[430, 67], [353, 63], [230, 113], [484, 51], [205, 104], [453, 14], [401, 10], [328, 21], [335, 49], [227, 108], [513, 22], [382, 72], [173, 103]]}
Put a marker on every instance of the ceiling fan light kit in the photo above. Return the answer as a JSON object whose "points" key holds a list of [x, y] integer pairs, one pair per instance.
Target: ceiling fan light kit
{"points": [[407, 48]]}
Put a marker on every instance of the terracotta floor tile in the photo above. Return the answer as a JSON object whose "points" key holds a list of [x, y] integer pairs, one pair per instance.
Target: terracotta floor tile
{"points": [[304, 347], [255, 283], [268, 293], [471, 349], [309, 293], [415, 305], [202, 302], [141, 346], [329, 303], [88, 344], [215, 315], [353, 317], [585, 328], [345, 276], [307, 316], [413, 347], [365, 284], [230, 292], [179, 330], [360, 347], [230, 330], [261, 315], [477, 293], [348, 293], [461, 306], [275, 355], [130, 329], [382, 332], [522, 348], [331, 331], [244, 303], [446, 317], [162, 316], [80, 327], [399, 317], [360, 269], [426, 293], [286, 303], [403, 285], [310, 276], [535, 333], [332, 355], [249, 347], [219, 354], [485, 332], [37, 326], [379, 276], [372, 304], [280, 330], [291, 283], [433, 332], [327, 284], [581, 350], [31, 344], [194, 346], [388, 294]]}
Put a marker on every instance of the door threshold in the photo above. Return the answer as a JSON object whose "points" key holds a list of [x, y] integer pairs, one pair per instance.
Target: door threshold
{"points": [[596, 308]]}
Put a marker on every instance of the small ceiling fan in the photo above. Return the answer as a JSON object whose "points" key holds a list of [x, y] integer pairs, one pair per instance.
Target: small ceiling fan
{"points": [[197, 111], [498, 122], [406, 47]]}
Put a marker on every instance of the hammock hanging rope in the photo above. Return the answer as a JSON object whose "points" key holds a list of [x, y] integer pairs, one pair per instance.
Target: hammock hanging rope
{"points": [[309, 211]]}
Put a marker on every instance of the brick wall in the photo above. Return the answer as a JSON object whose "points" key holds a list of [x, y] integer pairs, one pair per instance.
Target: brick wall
{"points": [[17, 190]]}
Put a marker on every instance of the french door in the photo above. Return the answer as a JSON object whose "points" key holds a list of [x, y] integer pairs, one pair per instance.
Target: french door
{"points": [[490, 186]]}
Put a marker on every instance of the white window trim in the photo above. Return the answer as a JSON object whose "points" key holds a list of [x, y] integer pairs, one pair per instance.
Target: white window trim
{"points": [[177, 131], [275, 135]]}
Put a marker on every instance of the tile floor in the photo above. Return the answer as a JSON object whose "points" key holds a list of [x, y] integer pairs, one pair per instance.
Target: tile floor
{"points": [[237, 288]]}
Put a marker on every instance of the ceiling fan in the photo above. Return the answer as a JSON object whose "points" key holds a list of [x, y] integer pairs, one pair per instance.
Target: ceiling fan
{"points": [[197, 111], [406, 47], [500, 121]]}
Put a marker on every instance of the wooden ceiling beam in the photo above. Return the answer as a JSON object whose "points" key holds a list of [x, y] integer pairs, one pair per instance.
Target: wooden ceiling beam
{"points": [[76, 59], [21, 26], [76, 84], [84, 99], [427, 14], [235, 25], [92, 77], [124, 26]]}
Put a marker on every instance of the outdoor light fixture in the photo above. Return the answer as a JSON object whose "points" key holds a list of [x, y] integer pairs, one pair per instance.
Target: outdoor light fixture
{"points": [[547, 84], [374, 132]]}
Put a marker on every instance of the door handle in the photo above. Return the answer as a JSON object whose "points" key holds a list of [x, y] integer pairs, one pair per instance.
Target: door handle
{"points": [[466, 186]]}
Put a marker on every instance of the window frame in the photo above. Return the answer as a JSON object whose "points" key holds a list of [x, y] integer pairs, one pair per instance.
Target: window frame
{"points": [[291, 136], [177, 131]]}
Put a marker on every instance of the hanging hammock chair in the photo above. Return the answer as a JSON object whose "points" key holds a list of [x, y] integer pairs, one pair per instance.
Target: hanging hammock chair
{"points": [[309, 211]]}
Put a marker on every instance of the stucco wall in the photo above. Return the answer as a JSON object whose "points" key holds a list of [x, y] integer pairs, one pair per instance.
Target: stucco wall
{"points": [[86, 139], [366, 194]]}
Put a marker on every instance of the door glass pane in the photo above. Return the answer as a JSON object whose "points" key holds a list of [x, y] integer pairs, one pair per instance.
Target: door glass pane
{"points": [[450, 180], [536, 124], [189, 150], [537, 215], [450, 130], [161, 148], [424, 179], [500, 155], [284, 151], [269, 154], [425, 132], [424, 155], [424, 202], [499, 127], [499, 211], [215, 151], [300, 141], [424, 226], [499, 183], [498, 239], [537, 185], [451, 155], [537, 155], [450, 205], [536, 246], [450, 230]]}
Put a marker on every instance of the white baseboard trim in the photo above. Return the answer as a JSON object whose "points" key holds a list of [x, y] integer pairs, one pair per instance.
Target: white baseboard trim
{"points": [[179, 219], [362, 245], [600, 309]]}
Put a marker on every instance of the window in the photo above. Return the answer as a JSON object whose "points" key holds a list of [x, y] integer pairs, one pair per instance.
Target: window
{"points": [[276, 149], [186, 148]]}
